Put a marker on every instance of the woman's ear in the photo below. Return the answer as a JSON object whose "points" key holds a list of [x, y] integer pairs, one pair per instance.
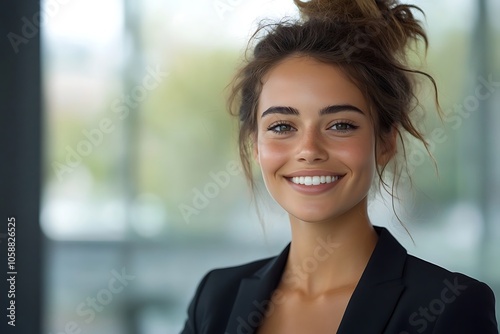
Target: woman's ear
{"points": [[387, 146]]}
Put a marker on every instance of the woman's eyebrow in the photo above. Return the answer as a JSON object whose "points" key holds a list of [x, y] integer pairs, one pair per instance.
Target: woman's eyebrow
{"points": [[324, 111], [338, 108], [280, 110]]}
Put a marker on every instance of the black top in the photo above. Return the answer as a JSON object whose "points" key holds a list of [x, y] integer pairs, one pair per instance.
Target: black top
{"points": [[397, 293]]}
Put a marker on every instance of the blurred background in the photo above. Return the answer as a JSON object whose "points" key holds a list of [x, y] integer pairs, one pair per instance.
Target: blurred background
{"points": [[141, 192]]}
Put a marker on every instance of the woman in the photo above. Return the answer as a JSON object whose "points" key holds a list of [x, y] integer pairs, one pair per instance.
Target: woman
{"points": [[322, 105]]}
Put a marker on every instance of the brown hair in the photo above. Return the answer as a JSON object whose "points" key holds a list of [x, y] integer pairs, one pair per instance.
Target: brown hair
{"points": [[368, 39]]}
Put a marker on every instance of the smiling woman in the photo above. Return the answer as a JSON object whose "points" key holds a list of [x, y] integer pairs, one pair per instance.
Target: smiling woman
{"points": [[328, 134], [323, 105]]}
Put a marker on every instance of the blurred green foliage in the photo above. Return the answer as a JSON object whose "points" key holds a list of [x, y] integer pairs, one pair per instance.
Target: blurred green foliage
{"points": [[185, 132]]}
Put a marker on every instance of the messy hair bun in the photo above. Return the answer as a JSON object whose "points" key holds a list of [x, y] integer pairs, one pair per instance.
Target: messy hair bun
{"points": [[367, 39], [396, 22], [345, 10]]}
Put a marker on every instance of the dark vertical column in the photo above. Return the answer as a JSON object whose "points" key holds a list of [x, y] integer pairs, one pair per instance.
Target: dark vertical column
{"points": [[20, 166]]}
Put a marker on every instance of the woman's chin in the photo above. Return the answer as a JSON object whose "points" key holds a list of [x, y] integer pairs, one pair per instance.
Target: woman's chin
{"points": [[311, 217]]}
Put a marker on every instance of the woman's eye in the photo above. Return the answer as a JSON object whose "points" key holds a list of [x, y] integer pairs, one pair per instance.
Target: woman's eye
{"points": [[281, 128], [343, 127]]}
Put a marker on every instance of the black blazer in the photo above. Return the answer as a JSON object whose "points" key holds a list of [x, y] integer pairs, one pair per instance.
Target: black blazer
{"points": [[397, 294]]}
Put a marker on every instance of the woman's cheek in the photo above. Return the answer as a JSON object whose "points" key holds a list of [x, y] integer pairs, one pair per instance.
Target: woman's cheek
{"points": [[272, 152], [358, 154]]}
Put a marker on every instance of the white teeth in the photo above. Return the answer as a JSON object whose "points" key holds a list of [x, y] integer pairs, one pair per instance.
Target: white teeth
{"points": [[314, 180]]}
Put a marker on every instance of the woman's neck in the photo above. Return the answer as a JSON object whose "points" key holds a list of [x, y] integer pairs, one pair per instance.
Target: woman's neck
{"points": [[327, 256]]}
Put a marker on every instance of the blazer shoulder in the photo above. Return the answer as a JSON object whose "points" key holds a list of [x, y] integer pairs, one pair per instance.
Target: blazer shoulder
{"points": [[230, 274], [220, 284], [423, 276], [447, 301], [420, 270]]}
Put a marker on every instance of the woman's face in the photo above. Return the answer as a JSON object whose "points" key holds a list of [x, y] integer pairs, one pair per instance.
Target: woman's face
{"points": [[315, 140]]}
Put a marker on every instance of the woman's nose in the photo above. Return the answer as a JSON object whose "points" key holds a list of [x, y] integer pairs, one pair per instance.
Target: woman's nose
{"points": [[311, 147]]}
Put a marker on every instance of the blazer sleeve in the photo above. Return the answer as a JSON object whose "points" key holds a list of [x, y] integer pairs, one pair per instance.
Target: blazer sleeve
{"points": [[472, 312], [191, 324]]}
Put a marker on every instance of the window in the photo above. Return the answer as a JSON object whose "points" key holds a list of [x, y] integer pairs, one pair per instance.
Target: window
{"points": [[141, 167]]}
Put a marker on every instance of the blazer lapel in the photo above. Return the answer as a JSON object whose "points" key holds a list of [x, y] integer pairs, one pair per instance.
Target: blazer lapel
{"points": [[369, 308], [254, 295], [378, 291]]}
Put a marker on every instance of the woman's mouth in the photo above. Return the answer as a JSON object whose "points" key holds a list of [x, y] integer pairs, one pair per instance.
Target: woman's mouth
{"points": [[313, 184], [314, 180]]}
